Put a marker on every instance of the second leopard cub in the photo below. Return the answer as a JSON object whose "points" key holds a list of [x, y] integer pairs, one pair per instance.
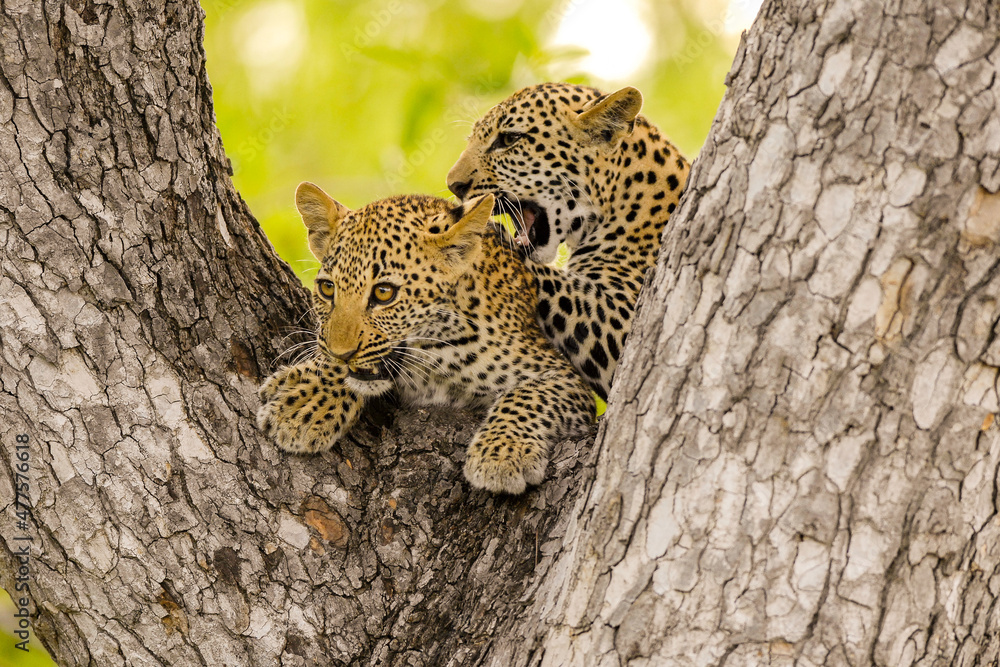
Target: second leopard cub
{"points": [[418, 295], [579, 167]]}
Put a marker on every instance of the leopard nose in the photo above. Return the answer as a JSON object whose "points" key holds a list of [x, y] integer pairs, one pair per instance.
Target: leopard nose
{"points": [[460, 188]]}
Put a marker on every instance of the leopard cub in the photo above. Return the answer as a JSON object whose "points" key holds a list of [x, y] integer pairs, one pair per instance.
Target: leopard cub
{"points": [[573, 165], [419, 296]]}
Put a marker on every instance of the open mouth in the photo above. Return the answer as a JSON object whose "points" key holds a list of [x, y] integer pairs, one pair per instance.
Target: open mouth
{"points": [[531, 222], [379, 371]]}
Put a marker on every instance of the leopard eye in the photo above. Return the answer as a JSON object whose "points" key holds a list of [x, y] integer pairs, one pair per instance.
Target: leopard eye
{"points": [[325, 289], [383, 293], [506, 140]]}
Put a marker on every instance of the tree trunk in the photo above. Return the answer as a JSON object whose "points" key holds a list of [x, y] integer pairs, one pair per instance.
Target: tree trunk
{"points": [[800, 460]]}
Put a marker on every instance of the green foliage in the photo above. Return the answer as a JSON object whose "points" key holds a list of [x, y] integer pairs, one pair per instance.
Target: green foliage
{"points": [[370, 99]]}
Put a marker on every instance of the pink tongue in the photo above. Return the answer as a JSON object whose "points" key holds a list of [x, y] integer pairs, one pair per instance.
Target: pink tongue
{"points": [[528, 219]]}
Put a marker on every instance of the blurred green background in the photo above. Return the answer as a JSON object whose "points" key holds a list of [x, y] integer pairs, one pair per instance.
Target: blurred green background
{"points": [[370, 99], [10, 656]]}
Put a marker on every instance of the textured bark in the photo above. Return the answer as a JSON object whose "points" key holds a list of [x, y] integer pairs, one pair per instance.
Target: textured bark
{"points": [[140, 304], [800, 461]]}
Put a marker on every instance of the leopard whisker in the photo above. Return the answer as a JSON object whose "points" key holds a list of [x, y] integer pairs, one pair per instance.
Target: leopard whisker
{"points": [[415, 363], [411, 349], [516, 215], [431, 365], [427, 359], [303, 315], [400, 372], [297, 331], [507, 237], [517, 221], [519, 217], [310, 345], [402, 348], [411, 365], [306, 354]]}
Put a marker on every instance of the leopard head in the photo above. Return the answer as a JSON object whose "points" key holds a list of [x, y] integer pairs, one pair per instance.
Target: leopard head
{"points": [[388, 273], [539, 152]]}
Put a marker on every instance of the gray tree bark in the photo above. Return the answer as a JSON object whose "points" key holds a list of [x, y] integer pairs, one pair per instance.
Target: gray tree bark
{"points": [[799, 462]]}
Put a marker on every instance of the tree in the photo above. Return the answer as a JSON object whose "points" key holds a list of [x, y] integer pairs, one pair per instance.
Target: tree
{"points": [[799, 460]]}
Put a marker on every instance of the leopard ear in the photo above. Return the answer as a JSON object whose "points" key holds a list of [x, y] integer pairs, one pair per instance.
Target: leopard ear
{"points": [[611, 118], [320, 213], [465, 234]]}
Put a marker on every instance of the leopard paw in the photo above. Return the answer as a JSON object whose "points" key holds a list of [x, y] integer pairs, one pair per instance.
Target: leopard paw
{"points": [[306, 408], [504, 464]]}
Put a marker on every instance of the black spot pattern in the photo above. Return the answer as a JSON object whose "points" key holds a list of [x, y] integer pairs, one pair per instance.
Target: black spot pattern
{"points": [[608, 203], [468, 333]]}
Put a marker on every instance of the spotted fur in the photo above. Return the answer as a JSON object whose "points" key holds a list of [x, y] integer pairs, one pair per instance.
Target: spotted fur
{"points": [[578, 167], [419, 296]]}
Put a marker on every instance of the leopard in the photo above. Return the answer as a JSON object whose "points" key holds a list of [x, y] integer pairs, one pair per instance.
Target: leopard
{"points": [[572, 165], [418, 298]]}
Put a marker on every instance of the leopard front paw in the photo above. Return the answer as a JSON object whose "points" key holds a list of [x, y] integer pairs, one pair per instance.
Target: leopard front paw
{"points": [[504, 464], [306, 408]]}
